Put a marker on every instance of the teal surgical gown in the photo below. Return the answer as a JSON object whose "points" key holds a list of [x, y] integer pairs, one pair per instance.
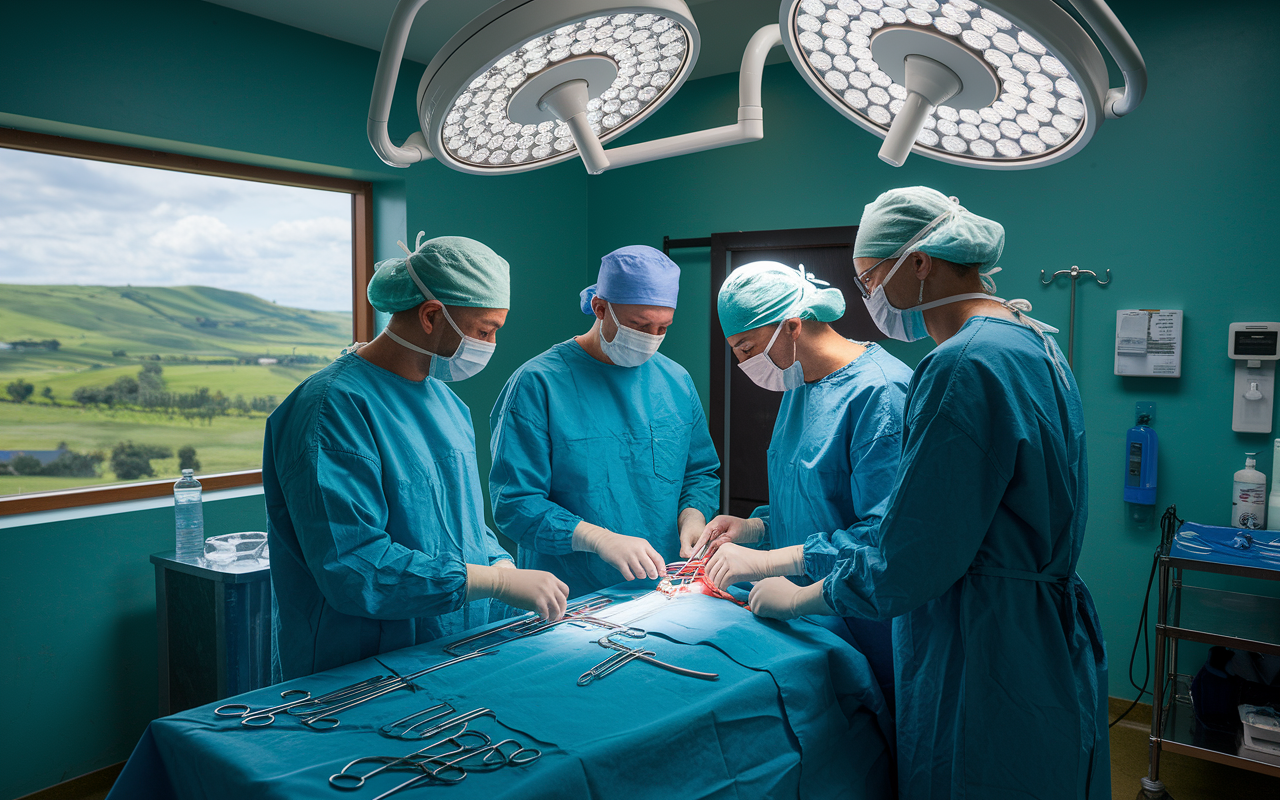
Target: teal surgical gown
{"points": [[833, 459], [625, 448], [999, 660], [373, 512]]}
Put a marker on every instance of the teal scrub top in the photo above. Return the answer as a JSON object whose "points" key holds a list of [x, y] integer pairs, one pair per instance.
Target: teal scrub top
{"points": [[999, 659], [373, 512], [833, 459], [625, 448]]}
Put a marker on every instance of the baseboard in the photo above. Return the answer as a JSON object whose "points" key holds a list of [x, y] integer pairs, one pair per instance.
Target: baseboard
{"points": [[100, 780]]}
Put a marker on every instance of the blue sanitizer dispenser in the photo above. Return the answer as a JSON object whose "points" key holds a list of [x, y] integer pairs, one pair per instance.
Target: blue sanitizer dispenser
{"points": [[1141, 449]]}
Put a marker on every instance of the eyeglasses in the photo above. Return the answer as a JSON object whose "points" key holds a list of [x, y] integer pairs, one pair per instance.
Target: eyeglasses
{"points": [[861, 280]]}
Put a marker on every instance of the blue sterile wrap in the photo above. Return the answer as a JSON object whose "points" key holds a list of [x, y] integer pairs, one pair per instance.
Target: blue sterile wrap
{"points": [[786, 689]]}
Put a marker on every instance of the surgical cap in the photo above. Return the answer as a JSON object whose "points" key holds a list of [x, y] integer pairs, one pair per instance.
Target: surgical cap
{"points": [[899, 214], [458, 271], [635, 275], [765, 292]]}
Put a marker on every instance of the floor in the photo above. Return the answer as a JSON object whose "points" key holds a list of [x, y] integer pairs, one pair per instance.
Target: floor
{"points": [[1185, 778]]}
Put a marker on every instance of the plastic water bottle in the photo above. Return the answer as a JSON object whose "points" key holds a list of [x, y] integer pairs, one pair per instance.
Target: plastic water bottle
{"points": [[189, 518]]}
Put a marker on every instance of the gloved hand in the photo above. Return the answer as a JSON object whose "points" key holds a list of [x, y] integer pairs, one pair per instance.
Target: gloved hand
{"points": [[724, 529], [779, 598], [733, 564], [528, 589], [632, 556], [504, 563], [691, 524]]}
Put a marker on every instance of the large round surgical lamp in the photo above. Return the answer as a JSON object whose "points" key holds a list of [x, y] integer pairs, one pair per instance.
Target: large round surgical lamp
{"points": [[997, 84], [530, 83]]}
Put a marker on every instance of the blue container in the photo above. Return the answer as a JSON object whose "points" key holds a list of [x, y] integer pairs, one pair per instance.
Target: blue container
{"points": [[1141, 448]]}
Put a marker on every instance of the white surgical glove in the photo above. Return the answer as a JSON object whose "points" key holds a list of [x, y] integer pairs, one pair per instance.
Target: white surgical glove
{"points": [[528, 589], [724, 529], [779, 598], [632, 556], [691, 524], [733, 564]]}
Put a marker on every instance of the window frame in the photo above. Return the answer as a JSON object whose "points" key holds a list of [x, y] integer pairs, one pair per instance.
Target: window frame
{"points": [[362, 314]]}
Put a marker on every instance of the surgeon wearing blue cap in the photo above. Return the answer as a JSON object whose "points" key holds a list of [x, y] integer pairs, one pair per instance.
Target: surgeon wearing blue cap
{"points": [[603, 466], [374, 511], [999, 659]]}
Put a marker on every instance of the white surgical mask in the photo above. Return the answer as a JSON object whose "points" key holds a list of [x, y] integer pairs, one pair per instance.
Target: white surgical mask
{"points": [[768, 375], [630, 347], [472, 354]]}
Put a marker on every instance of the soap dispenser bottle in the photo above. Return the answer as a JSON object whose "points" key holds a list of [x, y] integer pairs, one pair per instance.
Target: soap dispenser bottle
{"points": [[1249, 496]]}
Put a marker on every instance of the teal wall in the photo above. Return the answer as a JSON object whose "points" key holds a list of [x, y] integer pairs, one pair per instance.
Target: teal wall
{"points": [[1174, 200], [1177, 200], [189, 77]]}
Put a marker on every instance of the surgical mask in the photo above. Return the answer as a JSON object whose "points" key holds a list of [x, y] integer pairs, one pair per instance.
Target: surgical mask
{"points": [[907, 324], [471, 356], [630, 347], [768, 375]]}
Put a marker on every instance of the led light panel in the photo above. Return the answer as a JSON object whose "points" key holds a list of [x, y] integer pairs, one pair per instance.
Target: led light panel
{"points": [[650, 51], [1040, 108]]}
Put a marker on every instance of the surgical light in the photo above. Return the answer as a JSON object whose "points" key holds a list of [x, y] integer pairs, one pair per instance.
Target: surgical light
{"points": [[1001, 84], [530, 83]]}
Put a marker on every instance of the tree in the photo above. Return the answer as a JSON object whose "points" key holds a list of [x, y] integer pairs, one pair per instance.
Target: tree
{"points": [[131, 461], [25, 465], [74, 465], [91, 396], [20, 390], [124, 391], [47, 393], [187, 458]]}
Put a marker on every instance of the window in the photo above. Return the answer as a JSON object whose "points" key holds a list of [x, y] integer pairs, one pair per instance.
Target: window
{"points": [[154, 309]]}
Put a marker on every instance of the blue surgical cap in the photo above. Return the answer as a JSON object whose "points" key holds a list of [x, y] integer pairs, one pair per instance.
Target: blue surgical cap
{"points": [[635, 275], [457, 270], [766, 292], [899, 214]]}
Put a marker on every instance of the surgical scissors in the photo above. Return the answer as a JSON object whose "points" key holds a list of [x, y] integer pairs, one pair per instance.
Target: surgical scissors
{"points": [[351, 781], [247, 714], [485, 765]]}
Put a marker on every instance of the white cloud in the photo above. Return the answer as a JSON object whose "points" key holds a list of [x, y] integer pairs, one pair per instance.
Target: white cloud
{"points": [[66, 220]]}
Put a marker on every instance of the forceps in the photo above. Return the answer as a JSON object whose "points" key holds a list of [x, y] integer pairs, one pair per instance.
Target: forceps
{"points": [[267, 716], [457, 772], [461, 719], [531, 623], [612, 663], [390, 728], [415, 760]]}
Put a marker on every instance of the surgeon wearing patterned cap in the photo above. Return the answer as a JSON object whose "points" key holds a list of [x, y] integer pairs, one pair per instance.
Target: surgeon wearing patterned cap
{"points": [[833, 456], [1000, 659], [374, 509], [603, 465]]}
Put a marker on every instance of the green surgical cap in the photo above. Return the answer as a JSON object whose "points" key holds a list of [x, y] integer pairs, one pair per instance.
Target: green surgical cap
{"points": [[766, 292], [457, 270], [899, 214]]}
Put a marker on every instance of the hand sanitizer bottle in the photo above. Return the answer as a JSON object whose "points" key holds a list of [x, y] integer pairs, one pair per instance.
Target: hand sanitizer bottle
{"points": [[1248, 499]]}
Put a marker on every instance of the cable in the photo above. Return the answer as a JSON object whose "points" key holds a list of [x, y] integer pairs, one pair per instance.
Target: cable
{"points": [[1169, 525]]}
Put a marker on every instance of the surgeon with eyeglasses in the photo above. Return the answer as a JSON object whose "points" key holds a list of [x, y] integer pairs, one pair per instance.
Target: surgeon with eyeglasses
{"points": [[374, 511], [999, 659], [834, 451], [603, 465]]}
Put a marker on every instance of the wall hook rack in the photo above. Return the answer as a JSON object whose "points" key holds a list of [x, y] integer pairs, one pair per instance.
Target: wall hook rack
{"points": [[1075, 273]]}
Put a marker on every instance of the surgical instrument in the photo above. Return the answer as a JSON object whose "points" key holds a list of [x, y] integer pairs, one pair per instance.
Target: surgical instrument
{"points": [[399, 682], [350, 781], [628, 654], [461, 719], [247, 714], [529, 624], [390, 728], [461, 771]]}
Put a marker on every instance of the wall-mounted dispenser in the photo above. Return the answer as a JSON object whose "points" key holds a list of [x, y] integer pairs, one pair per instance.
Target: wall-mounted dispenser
{"points": [[1255, 346]]}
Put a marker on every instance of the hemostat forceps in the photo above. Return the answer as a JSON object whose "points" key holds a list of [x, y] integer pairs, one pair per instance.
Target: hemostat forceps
{"points": [[390, 728], [612, 663], [453, 771], [266, 716], [529, 624], [415, 760], [626, 654]]}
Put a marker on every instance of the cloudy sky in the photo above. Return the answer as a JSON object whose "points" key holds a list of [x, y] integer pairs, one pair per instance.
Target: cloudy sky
{"points": [[75, 221]]}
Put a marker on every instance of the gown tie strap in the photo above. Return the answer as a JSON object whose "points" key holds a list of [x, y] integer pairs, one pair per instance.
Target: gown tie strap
{"points": [[1018, 574]]}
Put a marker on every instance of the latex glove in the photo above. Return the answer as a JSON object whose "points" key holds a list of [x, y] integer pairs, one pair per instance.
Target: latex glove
{"points": [[528, 589], [733, 563], [779, 598], [724, 529], [691, 524], [504, 563], [632, 556]]}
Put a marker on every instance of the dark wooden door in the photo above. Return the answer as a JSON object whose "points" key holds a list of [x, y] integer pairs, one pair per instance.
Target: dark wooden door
{"points": [[742, 414]]}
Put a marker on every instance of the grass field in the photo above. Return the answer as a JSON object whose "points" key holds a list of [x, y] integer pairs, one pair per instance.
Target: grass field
{"points": [[93, 324]]}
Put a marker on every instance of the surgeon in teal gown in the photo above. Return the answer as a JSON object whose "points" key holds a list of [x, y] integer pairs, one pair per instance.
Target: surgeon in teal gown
{"points": [[602, 460], [374, 511], [1000, 662], [835, 447]]}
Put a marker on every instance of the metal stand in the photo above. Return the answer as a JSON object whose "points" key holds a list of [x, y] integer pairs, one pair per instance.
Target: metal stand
{"points": [[1075, 273]]}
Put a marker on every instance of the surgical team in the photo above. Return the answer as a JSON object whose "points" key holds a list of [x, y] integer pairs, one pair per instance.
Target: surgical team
{"points": [[933, 519]]}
